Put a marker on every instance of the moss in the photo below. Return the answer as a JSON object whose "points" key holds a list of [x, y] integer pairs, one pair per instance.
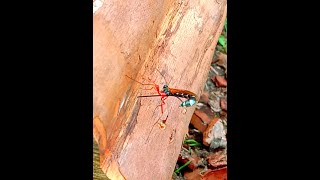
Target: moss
{"points": [[98, 174]]}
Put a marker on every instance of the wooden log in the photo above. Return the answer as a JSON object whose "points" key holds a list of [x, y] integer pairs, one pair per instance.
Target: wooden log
{"points": [[136, 38]]}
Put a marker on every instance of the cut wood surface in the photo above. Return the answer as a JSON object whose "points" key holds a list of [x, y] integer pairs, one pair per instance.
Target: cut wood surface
{"points": [[137, 38]]}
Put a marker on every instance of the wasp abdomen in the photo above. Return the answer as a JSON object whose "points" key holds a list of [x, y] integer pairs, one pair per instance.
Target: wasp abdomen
{"points": [[187, 96]]}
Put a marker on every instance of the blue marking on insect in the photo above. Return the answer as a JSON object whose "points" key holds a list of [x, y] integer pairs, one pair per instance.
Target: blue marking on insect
{"points": [[189, 102], [166, 90]]}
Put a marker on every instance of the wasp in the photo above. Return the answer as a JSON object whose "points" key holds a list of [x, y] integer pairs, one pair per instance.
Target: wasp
{"points": [[166, 91]]}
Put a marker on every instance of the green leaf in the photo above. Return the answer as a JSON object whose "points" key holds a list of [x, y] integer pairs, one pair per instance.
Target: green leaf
{"points": [[222, 41], [195, 144], [186, 141], [191, 142], [186, 164]]}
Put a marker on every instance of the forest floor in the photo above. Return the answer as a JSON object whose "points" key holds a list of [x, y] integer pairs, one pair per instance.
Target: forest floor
{"points": [[204, 151]]}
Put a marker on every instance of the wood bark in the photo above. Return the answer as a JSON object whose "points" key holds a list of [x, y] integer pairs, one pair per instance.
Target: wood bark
{"points": [[135, 38]]}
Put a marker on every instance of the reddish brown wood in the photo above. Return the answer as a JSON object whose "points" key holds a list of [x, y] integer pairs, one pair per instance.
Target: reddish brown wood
{"points": [[135, 38]]}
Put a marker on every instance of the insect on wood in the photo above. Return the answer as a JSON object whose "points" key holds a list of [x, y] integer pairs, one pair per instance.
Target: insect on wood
{"points": [[191, 97]]}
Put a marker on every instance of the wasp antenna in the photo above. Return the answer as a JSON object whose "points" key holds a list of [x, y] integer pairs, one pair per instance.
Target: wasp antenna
{"points": [[162, 76], [134, 79]]}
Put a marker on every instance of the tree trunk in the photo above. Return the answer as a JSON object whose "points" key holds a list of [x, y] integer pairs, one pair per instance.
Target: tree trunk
{"points": [[137, 38]]}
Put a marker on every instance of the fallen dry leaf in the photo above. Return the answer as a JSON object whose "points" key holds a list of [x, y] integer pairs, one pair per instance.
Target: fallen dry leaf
{"points": [[198, 124], [220, 81], [203, 116], [208, 132], [217, 159], [220, 174], [213, 78], [194, 175], [222, 60], [223, 104]]}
